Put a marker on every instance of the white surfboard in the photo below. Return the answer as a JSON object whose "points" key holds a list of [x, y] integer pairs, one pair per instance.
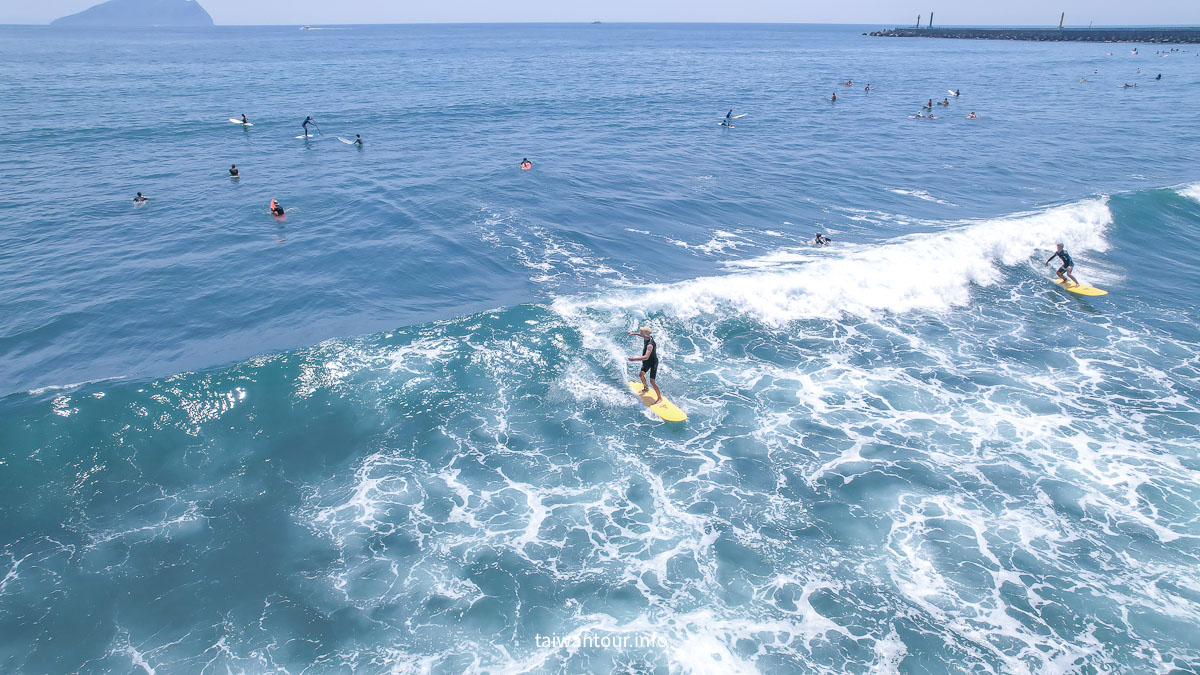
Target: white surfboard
{"points": [[952, 92], [310, 138], [237, 121], [347, 142]]}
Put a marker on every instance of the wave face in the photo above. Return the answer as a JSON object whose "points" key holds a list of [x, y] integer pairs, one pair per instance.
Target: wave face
{"points": [[912, 456]]}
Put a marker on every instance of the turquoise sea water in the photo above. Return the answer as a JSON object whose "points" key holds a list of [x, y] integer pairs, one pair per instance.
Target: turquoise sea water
{"points": [[391, 433]]}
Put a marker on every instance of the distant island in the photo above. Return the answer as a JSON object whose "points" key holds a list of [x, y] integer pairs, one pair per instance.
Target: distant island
{"points": [[135, 13]]}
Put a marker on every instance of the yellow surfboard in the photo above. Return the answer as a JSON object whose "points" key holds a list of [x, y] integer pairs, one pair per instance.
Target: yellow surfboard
{"points": [[664, 408], [1081, 289]]}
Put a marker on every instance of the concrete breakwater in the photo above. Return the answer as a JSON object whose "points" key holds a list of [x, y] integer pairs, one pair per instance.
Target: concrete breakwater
{"points": [[1153, 35]]}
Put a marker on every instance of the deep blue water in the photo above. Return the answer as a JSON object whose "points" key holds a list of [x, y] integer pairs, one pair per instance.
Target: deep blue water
{"points": [[391, 433]]}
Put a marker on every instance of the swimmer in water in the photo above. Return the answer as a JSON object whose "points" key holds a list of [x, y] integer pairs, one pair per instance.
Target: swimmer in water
{"points": [[244, 120], [527, 165], [821, 240], [276, 209], [971, 116], [868, 87], [956, 92], [139, 199], [233, 171], [945, 101], [1159, 76], [833, 98], [1067, 265], [928, 106], [358, 140]]}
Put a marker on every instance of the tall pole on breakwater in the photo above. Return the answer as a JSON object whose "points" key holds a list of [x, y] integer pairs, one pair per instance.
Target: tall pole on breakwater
{"points": [[918, 22], [930, 20], [1060, 19]]}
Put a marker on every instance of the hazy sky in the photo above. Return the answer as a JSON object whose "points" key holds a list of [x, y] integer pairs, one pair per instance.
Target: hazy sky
{"points": [[881, 12]]}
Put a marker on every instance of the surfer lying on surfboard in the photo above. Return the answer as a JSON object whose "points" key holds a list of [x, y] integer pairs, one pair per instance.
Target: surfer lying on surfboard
{"points": [[1067, 265], [649, 359]]}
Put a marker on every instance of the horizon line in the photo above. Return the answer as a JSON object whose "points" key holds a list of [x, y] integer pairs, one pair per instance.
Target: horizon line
{"points": [[643, 23]]}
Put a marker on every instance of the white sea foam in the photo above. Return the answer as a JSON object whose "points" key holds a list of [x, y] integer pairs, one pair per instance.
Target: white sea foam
{"points": [[1190, 191], [923, 272], [920, 194]]}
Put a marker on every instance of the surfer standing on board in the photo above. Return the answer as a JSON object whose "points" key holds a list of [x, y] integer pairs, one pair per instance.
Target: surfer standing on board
{"points": [[649, 359], [307, 121], [1067, 265]]}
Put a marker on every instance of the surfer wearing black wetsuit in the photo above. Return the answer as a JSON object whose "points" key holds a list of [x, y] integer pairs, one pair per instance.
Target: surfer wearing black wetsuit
{"points": [[307, 121], [821, 240], [1067, 264], [233, 171], [358, 140], [649, 359], [139, 199], [244, 120]]}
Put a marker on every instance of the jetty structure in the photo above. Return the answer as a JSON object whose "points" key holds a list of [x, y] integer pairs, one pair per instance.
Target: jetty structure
{"points": [[1150, 34]]}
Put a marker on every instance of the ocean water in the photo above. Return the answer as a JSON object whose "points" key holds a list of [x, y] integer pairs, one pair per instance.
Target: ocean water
{"points": [[392, 433]]}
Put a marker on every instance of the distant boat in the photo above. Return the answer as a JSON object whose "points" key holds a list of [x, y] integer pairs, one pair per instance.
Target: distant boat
{"points": [[305, 27], [595, 22]]}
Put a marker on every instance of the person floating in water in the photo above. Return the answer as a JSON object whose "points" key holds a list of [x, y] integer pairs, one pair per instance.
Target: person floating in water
{"points": [[868, 87], [1067, 265], [527, 165], [1158, 77], [821, 240], [972, 116], [358, 140], [233, 171], [1128, 86], [945, 101], [307, 121], [928, 106], [276, 209], [848, 83], [956, 92], [244, 120], [649, 359], [833, 98], [139, 199]]}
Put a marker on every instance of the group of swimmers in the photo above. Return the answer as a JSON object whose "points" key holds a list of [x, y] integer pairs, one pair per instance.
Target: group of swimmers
{"points": [[276, 209], [920, 114]]}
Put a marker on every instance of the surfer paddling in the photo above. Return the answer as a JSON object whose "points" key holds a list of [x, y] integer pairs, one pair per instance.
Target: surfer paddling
{"points": [[649, 359], [1067, 265]]}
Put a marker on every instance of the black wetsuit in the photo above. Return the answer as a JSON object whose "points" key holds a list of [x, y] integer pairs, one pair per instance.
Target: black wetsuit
{"points": [[651, 364], [233, 172], [1067, 263]]}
